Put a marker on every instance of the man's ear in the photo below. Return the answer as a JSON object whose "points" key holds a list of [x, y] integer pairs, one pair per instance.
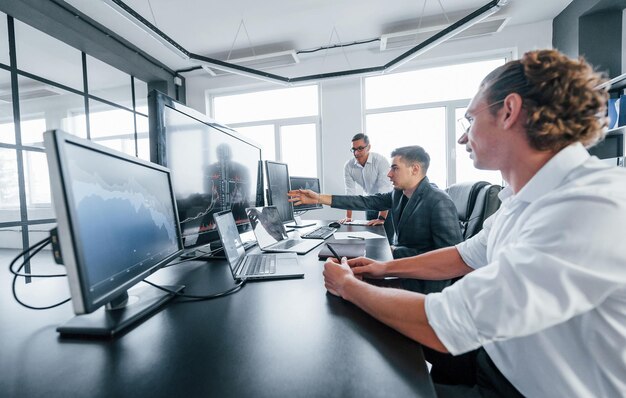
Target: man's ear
{"points": [[512, 110], [416, 168]]}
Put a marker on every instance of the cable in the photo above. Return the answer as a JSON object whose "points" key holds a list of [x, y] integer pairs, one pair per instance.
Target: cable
{"points": [[36, 248], [234, 289], [336, 46], [203, 254]]}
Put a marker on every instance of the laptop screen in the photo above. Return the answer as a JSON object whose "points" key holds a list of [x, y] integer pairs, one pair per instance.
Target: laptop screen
{"points": [[266, 224], [231, 241]]}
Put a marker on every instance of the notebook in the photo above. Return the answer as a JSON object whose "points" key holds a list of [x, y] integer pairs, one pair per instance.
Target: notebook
{"points": [[253, 266], [271, 235], [348, 248]]}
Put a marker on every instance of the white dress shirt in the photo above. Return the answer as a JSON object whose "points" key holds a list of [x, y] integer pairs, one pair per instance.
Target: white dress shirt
{"points": [[547, 299], [372, 177]]}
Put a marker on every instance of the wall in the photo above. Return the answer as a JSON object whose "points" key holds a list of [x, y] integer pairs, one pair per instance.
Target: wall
{"points": [[341, 99]]}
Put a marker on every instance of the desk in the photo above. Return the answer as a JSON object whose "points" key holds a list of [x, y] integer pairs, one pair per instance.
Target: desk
{"points": [[285, 338]]}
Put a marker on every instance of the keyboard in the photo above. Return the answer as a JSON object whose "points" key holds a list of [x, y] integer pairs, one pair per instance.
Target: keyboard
{"points": [[285, 244], [320, 233], [261, 264]]}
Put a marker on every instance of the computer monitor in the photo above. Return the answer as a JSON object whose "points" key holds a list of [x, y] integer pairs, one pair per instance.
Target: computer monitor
{"points": [[278, 187], [611, 147], [116, 224], [213, 168], [312, 183]]}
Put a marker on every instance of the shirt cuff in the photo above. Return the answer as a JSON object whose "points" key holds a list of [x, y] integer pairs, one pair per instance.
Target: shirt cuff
{"points": [[449, 317]]}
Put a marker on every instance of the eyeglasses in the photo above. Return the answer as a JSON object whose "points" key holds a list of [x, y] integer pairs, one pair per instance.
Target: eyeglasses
{"points": [[465, 122], [358, 149]]}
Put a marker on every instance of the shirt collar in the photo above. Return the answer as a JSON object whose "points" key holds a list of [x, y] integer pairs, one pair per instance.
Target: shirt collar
{"points": [[368, 161], [551, 174]]}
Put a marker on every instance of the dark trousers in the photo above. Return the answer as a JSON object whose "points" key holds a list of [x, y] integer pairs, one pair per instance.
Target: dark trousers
{"points": [[373, 215], [472, 374]]}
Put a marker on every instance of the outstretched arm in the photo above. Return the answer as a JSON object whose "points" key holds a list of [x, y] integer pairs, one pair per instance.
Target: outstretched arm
{"points": [[400, 309], [307, 197]]}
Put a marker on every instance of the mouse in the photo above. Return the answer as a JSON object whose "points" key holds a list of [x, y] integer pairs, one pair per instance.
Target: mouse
{"points": [[334, 224]]}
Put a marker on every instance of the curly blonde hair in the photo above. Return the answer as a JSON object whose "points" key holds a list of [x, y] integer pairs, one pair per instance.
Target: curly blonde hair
{"points": [[559, 95]]}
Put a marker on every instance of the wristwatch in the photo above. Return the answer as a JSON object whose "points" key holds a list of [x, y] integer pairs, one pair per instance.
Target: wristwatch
{"points": [[381, 218]]}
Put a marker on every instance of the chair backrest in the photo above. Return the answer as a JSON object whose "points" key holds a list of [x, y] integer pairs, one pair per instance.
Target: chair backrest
{"points": [[474, 201]]}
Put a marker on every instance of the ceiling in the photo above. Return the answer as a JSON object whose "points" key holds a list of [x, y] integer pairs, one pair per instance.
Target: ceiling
{"points": [[245, 28]]}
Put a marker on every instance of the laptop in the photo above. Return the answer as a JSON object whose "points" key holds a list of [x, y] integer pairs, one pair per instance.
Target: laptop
{"points": [[271, 235], [253, 266]]}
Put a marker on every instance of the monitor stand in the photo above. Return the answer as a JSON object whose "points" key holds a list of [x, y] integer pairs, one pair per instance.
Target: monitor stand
{"points": [[299, 223], [206, 252], [127, 310]]}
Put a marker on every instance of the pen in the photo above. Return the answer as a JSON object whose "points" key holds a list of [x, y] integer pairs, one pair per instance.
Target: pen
{"points": [[337, 256], [355, 237]]}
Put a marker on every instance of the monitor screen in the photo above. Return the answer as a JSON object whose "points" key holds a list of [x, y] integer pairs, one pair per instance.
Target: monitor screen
{"points": [[612, 146], [116, 218], [278, 187], [312, 183], [213, 168]]}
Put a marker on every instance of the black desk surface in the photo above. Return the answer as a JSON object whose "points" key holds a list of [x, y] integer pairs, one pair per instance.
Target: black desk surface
{"points": [[286, 338]]}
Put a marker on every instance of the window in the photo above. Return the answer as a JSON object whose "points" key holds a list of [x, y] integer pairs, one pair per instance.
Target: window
{"points": [[444, 83], [112, 127], [298, 148], [284, 122], [420, 108], [53, 97], [425, 127], [47, 57], [262, 135], [4, 40], [465, 170], [266, 105]]}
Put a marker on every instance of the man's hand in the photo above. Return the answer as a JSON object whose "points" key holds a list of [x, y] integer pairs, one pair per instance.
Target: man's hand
{"points": [[366, 267], [303, 197], [344, 220], [336, 275], [375, 222]]}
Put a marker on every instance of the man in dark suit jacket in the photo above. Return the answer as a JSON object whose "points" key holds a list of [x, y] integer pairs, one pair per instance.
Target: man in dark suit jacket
{"points": [[424, 217]]}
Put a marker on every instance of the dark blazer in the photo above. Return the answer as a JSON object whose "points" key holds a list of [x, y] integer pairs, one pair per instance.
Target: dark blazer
{"points": [[429, 221]]}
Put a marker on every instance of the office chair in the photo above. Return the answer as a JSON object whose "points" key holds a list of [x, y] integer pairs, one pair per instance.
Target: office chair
{"points": [[474, 201]]}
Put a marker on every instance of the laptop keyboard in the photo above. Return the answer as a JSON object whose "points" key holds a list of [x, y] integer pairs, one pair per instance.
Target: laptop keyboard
{"points": [[320, 233], [286, 244], [261, 264]]}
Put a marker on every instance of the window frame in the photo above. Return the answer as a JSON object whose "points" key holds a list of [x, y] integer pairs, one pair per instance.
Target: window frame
{"points": [[449, 105], [276, 123]]}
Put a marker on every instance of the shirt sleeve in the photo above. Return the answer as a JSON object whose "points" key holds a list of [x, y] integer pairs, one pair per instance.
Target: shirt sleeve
{"points": [[348, 179], [552, 271], [474, 250]]}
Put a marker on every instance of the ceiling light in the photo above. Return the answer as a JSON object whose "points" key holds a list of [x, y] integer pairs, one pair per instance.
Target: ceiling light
{"points": [[445, 34], [147, 27], [408, 38]]}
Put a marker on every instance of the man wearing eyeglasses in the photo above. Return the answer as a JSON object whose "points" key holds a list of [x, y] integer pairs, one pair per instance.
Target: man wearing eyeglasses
{"points": [[369, 171], [540, 309]]}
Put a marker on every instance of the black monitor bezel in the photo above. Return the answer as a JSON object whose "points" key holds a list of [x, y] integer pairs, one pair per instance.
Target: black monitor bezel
{"points": [[83, 301], [269, 190], [157, 101], [613, 141], [313, 206]]}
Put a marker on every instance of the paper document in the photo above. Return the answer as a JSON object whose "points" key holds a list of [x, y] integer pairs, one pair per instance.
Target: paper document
{"points": [[360, 235], [357, 222]]}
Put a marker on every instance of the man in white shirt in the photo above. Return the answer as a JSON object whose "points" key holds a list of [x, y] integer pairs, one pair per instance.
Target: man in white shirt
{"points": [[541, 309], [369, 171]]}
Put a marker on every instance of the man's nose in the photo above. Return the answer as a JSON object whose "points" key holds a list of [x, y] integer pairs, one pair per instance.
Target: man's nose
{"points": [[462, 139]]}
